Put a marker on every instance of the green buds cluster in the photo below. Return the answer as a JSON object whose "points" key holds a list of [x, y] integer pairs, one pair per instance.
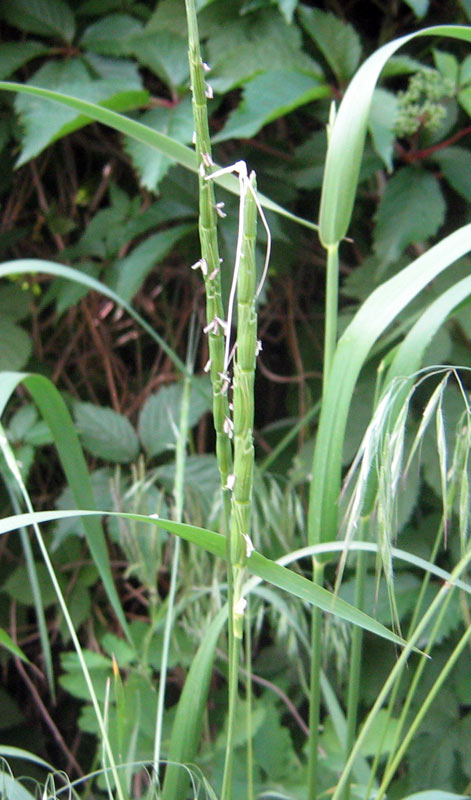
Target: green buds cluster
{"points": [[421, 105]]}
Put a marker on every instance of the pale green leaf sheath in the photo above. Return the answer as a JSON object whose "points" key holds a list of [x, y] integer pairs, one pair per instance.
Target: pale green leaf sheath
{"points": [[209, 262], [243, 398]]}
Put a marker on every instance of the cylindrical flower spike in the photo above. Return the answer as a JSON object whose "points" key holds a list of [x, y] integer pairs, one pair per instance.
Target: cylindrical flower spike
{"points": [[209, 250], [243, 396]]}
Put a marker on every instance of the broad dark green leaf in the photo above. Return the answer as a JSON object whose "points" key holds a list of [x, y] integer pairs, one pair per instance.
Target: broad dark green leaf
{"points": [[176, 122], [267, 97], [447, 64], [15, 345], [241, 47], [338, 41], [44, 17], [381, 124], [14, 55], [45, 122], [159, 417], [18, 586], [112, 35], [412, 209], [129, 273], [106, 434], [455, 163], [164, 52]]}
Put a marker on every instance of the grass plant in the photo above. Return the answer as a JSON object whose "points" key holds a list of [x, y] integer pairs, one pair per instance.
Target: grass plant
{"points": [[369, 500]]}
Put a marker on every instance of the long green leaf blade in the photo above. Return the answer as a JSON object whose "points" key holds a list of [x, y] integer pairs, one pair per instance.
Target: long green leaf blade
{"points": [[347, 137], [214, 543], [55, 413], [175, 151], [374, 316]]}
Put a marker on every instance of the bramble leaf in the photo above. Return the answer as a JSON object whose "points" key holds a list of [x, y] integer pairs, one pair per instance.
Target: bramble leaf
{"points": [[411, 210]]}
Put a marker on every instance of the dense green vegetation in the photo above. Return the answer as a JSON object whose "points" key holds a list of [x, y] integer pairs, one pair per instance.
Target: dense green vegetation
{"points": [[256, 387]]}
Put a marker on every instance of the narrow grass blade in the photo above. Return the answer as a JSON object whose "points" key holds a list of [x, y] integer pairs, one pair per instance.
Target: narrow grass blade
{"points": [[214, 543], [177, 152], [347, 136], [408, 357], [7, 642], [32, 266], [374, 316], [56, 415], [189, 717]]}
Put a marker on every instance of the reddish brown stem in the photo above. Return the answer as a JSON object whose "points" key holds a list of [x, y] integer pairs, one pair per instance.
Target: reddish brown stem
{"points": [[410, 156]]}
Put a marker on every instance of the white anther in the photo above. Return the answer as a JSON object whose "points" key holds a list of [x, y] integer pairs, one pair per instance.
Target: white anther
{"points": [[249, 548], [193, 138], [230, 483], [209, 92], [206, 67], [214, 273], [207, 160], [207, 366], [219, 210], [228, 427], [201, 264], [258, 347], [240, 607]]}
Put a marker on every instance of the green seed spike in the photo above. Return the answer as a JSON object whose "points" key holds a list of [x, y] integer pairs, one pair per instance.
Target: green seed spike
{"points": [[243, 395], [210, 261]]}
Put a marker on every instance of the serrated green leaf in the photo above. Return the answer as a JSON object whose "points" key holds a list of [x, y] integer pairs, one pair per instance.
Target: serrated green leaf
{"points": [[45, 122], [241, 47], [15, 302], [447, 64], [419, 7], [267, 97], [15, 346], [158, 420], [338, 41], [120, 71], [455, 163], [45, 17], [128, 274], [176, 122], [381, 124], [105, 433], [14, 55], [111, 35], [165, 54], [21, 422], [18, 586], [412, 209]]}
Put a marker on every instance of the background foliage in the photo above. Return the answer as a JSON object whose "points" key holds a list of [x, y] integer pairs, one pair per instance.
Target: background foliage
{"points": [[78, 193]]}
